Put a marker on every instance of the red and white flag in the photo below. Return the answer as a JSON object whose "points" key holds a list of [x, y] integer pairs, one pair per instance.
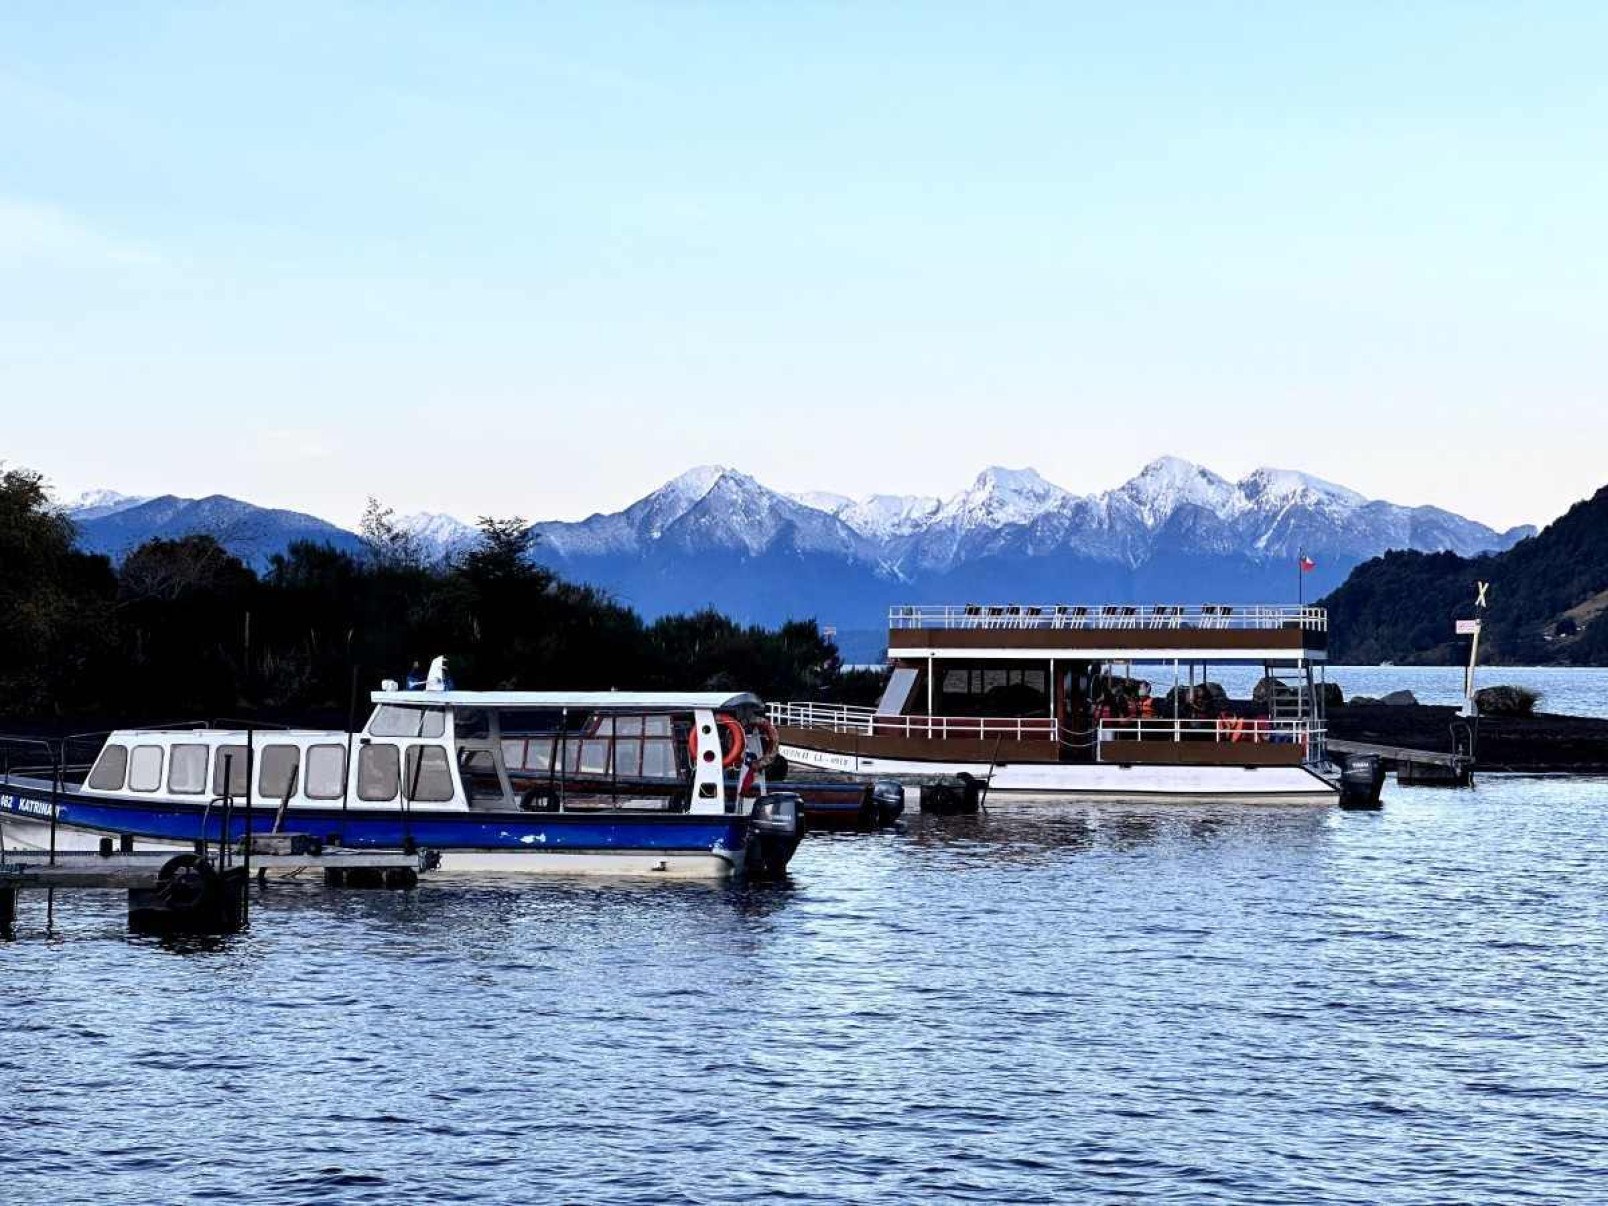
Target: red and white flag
{"points": [[1306, 563]]}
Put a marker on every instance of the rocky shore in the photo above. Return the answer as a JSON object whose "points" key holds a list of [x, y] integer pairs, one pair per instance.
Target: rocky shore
{"points": [[1542, 743]]}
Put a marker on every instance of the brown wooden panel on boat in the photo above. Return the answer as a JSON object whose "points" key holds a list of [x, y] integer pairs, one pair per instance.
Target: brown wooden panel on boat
{"points": [[1138, 639], [1203, 753], [932, 749]]}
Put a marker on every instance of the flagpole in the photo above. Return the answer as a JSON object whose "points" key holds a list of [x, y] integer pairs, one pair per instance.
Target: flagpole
{"points": [[1300, 579]]}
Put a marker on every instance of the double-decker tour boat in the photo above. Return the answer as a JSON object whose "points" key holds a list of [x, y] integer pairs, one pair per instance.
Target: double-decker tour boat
{"points": [[623, 783], [1087, 702]]}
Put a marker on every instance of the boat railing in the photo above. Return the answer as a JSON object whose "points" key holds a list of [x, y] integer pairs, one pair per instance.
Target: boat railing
{"points": [[1224, 729], [1110, 615], [832, 718], [865, 722]]}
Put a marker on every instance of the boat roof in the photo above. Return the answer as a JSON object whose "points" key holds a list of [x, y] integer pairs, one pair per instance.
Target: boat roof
{"points": [[596, 701]]}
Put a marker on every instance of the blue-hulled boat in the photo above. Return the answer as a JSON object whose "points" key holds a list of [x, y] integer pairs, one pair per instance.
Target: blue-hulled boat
{"points": [[621, 783]]}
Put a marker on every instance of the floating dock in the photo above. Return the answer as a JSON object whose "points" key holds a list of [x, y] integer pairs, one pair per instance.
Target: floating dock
{"points": [[189, 893]]}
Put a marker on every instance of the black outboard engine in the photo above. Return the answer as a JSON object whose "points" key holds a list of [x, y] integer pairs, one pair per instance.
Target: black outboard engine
{"points": [[887, 802], [1361, 781], [776, 828], [953, 797]]}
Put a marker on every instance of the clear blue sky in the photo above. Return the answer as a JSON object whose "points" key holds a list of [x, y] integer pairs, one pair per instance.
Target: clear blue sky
{"points": [[536, 258]]}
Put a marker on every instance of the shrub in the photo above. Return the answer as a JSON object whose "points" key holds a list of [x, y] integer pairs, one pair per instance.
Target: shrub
{"points": [[1506, 701]]}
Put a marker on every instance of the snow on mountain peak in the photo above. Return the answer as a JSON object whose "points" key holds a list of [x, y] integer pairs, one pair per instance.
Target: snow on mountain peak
{"points": [[93, 504], [695, 483], [439, 533], [1170, 482], [1003, 496], [1271, 487]]}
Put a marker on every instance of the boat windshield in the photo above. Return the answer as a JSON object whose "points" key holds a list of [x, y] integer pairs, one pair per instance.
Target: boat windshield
{"points": [[582, 759]]}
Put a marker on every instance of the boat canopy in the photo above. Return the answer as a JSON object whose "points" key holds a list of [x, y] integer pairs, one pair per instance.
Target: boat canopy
{"points": [[596, 701]]}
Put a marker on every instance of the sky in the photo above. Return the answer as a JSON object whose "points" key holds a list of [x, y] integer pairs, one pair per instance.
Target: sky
{"points": [[535, 259]]}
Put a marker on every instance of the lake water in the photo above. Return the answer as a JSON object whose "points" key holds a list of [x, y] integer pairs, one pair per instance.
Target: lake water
{"points": [[1043, 1004]]}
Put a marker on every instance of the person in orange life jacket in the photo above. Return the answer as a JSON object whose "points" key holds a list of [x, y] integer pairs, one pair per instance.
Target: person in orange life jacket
{"points": [[1145, 706]]}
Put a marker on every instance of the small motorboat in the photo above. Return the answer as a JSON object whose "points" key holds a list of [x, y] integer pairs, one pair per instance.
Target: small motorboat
{"points": [[617, 783]]}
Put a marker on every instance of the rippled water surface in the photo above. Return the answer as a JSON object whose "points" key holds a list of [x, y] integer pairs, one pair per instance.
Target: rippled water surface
{"points": [[1228, 1004]]}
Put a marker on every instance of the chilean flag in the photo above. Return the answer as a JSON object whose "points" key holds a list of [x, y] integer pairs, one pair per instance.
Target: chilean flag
{"points": [[1306, 563]]}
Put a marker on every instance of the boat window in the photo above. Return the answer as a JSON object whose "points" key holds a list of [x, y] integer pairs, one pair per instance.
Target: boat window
{"points": [[395, 720], [628, 726], [428, 777], [628, 757], [145, 768], [276, 770], [659, 759], [478, 770], [657, 726], [378, 772], [111, 768], [187, 770], [232, 757], [471, 723], [326, 772], [993, 691], [594, 758]]}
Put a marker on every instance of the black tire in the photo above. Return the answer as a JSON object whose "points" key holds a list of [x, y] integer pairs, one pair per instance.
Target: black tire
{"points": [[186, 880]]}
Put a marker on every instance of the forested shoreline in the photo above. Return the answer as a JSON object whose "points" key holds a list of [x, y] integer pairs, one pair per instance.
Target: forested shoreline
{"points": [[181, 629], [1548, 596]]}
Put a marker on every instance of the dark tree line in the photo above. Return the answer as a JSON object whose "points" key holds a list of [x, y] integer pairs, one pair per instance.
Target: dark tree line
{"points": [[184, 630], [1548, 600]]}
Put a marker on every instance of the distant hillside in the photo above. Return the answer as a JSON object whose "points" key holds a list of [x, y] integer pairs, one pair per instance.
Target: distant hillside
{"points": [[1548, 597], [252, 533]]}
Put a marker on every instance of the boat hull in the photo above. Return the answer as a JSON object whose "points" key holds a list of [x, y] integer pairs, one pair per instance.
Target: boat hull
{"points": [[673, 845], [1093, 782]]}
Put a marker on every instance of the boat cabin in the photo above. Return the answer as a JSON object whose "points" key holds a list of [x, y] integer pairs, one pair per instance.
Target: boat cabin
{"points": [[1074, 683], [467, 750]]}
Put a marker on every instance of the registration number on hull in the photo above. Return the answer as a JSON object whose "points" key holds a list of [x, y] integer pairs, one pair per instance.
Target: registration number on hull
{"points": [[24, 805]]}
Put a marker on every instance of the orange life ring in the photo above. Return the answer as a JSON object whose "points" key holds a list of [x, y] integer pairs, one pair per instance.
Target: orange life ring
{"points": [[730, 727]]}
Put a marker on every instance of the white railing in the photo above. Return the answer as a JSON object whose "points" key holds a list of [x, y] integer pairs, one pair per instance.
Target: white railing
{"points": [[1109, 615], [1005, 728], [1223, 729], [864, 722], [833, 718]]}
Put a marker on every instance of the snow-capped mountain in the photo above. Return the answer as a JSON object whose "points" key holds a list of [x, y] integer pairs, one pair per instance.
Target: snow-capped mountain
{"points": [[716, 537], [93, 504], [707, 509], [439, 536], [1175, 530], [252, 533]]}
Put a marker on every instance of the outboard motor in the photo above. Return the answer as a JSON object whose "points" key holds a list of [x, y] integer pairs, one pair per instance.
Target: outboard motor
{"points": [[887, 802], [776, 826], [1361, 781], [952, 797]]}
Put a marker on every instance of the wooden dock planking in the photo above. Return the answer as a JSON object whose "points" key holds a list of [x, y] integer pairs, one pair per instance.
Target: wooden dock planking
{"points": [[1400, 754], [138, 869]]}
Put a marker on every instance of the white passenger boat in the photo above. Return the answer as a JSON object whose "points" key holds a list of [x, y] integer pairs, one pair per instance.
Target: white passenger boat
{"points": [[619, 783], [1073, 701]]}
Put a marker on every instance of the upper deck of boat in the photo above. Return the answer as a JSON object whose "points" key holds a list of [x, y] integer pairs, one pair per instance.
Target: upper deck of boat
{"points": [[1109, 631]]}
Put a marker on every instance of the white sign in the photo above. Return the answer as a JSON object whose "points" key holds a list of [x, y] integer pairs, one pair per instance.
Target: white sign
{"points": [[1467, 627]]}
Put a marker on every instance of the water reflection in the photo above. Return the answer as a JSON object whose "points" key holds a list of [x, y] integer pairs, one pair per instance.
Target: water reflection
{"points": [[1033, 1005]]}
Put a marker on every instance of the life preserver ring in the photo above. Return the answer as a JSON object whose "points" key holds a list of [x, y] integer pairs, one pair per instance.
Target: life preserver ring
{"points": [[733, 743]]}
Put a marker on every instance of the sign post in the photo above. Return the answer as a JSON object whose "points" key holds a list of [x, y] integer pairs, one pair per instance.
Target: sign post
{"points": [[1471, 628]]}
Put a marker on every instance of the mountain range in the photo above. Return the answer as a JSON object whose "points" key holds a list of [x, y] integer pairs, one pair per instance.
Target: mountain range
{"points": [[716, 536]]}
